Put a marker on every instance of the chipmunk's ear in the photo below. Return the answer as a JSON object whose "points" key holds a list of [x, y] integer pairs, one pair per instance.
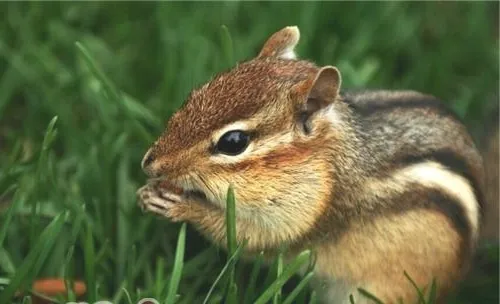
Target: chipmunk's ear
{"points": [[320, 91], [316, 93], [326, 85], [281, 44]]}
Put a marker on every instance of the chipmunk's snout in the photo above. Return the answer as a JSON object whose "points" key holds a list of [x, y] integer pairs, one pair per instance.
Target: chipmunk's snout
{"points": [[157, 165], [146, 163]]}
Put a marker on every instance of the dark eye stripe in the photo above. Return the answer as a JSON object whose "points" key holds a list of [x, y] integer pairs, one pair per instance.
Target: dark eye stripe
{"points": [[233, 142]]}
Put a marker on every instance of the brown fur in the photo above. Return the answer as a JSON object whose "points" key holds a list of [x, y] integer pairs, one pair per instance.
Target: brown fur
{"points": [[375, 182], [236, 95], [291, 155], [355, 257]]}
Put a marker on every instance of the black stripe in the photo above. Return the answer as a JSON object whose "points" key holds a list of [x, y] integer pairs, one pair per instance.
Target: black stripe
{"points": [[453, 162], [337, 220], [371, 106], [418, 196], [450, 207], [421, 197]]}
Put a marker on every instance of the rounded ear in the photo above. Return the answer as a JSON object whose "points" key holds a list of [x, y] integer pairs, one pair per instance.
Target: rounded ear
{"points": [[326, 84], [281, 44], [320, 91]]}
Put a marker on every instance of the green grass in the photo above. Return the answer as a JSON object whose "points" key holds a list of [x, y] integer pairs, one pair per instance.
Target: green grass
{"points": [[112, 74]]}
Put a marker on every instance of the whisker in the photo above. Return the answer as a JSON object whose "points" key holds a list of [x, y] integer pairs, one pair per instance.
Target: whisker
{"points": [[206, 187]]}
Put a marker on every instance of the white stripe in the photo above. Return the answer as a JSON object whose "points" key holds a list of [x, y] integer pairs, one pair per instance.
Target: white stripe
{"points": [[433, 174], [255, 148], [237, 125]]}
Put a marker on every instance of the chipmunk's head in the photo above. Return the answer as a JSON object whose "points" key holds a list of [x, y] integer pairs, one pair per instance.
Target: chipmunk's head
{"points": [[264, 127]]}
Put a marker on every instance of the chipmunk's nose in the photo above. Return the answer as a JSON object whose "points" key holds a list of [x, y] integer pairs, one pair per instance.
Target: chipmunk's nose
{"points": [[147, 160]]}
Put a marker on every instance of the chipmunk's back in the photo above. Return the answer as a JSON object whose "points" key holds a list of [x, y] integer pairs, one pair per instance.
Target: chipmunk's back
{"points": [[407, 127], [403, 128]]}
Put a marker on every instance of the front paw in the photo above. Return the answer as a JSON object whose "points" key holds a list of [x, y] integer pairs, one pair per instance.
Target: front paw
{"points": [[162, 202]]}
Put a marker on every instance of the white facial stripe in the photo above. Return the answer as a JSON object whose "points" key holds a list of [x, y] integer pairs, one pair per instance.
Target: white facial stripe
{"points": [[433, 174], [255, 148], [238, 125], [231, 159]]}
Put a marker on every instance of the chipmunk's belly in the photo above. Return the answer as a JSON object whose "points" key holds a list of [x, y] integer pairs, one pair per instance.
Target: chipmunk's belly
{"points": [[375, 256]]}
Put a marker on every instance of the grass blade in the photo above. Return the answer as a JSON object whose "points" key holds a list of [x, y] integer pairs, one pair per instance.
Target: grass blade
{"points": [[6, 264], [127, 296], [253, 278], [126, 104], [303, 283], [231, 296], [288, 272], [314, 298], [279, 270], [159, 279], [122, 225], [27, 300], [421, 298], [227, 46], [48, 139], [35, 259], [178, 264], [370, 296], [10, 213], [68, 275], [111, 91], [89, 259], [432, 292], [224, 270], [231, 222], [50, 134]]}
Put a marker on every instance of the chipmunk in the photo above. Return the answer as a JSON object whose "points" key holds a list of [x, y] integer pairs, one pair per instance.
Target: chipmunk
{"points": [[376, 182]]}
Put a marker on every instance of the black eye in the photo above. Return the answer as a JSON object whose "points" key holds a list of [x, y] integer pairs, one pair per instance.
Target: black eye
{"points": [[233, 142]]}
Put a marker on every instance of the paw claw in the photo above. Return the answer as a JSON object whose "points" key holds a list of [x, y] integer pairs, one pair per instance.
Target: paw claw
{"points": [[170, 196], [161, 202]]}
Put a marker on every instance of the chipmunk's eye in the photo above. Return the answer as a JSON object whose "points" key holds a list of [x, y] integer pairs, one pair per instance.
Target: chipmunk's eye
{"points": [[233, 142]]}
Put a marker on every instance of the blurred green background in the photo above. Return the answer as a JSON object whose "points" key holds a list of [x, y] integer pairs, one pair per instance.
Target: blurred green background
{"points": [[147, 57]]}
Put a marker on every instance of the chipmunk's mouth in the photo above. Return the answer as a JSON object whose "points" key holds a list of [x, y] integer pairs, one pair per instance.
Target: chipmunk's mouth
{"points": [[196, 194], [199, 195], [184, 187]]}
